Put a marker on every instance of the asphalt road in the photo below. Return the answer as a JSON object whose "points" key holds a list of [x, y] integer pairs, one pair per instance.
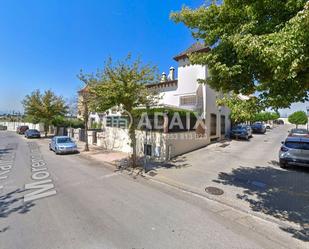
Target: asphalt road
{"points": [[86, 205]]}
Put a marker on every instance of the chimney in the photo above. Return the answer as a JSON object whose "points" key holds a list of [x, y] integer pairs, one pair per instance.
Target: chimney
{"points": [[163, 77], [171, 75]]}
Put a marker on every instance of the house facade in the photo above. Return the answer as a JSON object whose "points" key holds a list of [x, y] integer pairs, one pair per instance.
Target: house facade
{"points": [[183, 93], [187, 93]]}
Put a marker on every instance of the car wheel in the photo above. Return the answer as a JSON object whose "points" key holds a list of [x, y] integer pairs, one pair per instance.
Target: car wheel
{"points": [[283, 165]]}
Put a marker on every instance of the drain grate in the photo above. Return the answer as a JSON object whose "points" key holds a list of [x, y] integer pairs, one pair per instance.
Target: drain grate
{"points": [[214, 191]]}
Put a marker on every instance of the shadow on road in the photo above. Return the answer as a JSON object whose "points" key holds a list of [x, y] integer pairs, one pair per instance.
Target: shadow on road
{"points": [[13, 203], [272, 191], [5, 151]]}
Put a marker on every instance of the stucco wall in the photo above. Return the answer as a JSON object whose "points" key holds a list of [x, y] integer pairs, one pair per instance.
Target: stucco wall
{"points": [[12, 126]]}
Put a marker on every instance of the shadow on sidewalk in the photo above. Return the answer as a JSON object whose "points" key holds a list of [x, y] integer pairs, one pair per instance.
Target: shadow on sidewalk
{"points": [[283, 194]]}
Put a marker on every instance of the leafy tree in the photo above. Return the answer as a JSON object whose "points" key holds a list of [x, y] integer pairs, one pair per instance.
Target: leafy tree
{"points": [[258, 46], [266, 116], [62, 121], [298, 118], [44, 107], [123, 84], [241, 110], [85, 100]]}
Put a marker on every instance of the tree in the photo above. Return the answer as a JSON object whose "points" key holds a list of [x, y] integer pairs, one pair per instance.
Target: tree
{"points": [[298, 118], [266, 116], [123, 84], [44, 108], [241, 110], [85, 98], [258, 46]]}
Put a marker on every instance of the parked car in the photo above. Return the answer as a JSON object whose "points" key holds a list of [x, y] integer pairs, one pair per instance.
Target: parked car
{"points": [[32, 133], [268, 126], [294, 151], [22, 129], [258, 128], [62, 145], [298, 132], [3, 128], [241, 131], [279, 122]]}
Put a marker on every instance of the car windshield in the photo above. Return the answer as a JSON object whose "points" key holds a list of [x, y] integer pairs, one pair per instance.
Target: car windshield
{"points": [[33, 131], [300, 131], [297, 145], [239, 127], [64, 140]]}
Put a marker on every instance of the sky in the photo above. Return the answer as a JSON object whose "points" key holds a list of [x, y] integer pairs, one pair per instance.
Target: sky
{"points": [[44, 44]]}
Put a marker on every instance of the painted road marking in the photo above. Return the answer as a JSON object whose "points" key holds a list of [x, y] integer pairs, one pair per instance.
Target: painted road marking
{"points": [[7, 158], [43, 185]]}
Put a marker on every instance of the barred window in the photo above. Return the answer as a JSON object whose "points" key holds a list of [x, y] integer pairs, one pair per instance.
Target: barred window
{"points": [[188, 100], [117, 121]]}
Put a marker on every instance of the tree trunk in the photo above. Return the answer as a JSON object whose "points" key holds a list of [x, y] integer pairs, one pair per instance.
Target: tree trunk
{"points": [[86, 119], [133, 145], [46, 127]]}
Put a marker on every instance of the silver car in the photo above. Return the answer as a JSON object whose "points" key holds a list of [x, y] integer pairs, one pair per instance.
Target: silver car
{"points": [[298, 132], [63, 145], [294, 151]]}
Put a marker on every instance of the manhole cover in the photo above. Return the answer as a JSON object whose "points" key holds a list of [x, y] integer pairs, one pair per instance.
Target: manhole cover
{"points": [[214, 191]]}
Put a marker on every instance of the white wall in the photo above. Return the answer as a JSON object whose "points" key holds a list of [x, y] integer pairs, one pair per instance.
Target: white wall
{"points": [[12, 126], [188, 76]]}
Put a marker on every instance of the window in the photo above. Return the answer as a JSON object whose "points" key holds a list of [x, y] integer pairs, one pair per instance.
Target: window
{"points": [[147, 149], [213, 124], [222, 125], [188, 100], [117, 121]]}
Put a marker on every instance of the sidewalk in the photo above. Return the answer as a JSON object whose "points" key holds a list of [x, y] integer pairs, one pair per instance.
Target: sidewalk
{"points": [[112, 158], [243, 176]]}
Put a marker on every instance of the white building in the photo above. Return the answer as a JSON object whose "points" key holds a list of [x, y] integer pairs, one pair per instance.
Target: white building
{"points": [[184, 93], [187, 93]]}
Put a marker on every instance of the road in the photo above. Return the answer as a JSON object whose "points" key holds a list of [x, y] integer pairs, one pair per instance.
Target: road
{"points": [[86, 205]]}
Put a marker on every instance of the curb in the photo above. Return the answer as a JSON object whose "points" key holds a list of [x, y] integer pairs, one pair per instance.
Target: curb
{"points": [[186, 189]]}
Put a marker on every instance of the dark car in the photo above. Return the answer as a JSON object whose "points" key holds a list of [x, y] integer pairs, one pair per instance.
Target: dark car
{"points": [[298, 132], [241, 131], [22, 129], [258, 128], [3, 128], [32, 133], [294, 151]]}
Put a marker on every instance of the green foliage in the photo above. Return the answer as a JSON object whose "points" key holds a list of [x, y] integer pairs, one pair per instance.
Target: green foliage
{"points": [[298, 118], [43, 108], [96, 125], [168, 110], [258, 46], [266, 116], [122, 84], [241, 110], [61, 121]]}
